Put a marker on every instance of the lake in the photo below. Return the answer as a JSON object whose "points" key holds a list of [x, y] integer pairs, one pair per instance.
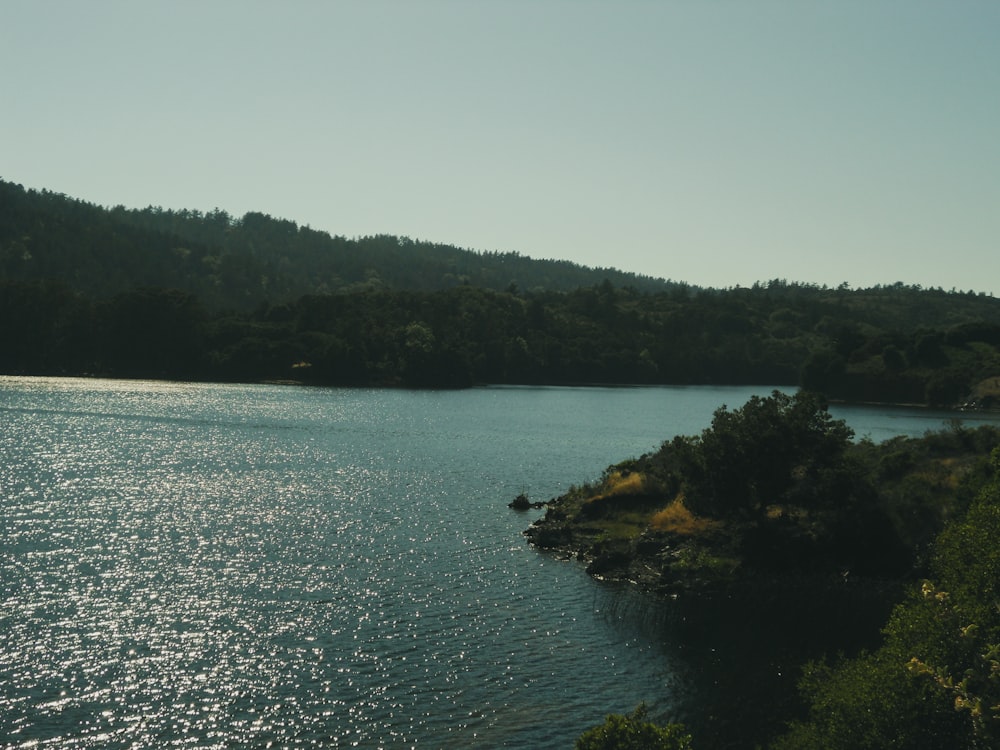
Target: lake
{"points": [[202, 565]]}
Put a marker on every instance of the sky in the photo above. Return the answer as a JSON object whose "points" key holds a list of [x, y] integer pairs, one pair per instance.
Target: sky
{"points": [[713, 142]]}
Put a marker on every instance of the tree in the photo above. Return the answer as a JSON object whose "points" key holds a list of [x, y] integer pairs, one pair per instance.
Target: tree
{"points": [[755, 456], [634, 732], [153, 332]]}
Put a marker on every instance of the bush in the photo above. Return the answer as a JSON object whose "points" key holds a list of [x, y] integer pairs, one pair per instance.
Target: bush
{"points": [[633, 732], [935, 681]]}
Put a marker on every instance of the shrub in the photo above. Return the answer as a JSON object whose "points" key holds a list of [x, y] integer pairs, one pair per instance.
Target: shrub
{"points": [[633, 732]]}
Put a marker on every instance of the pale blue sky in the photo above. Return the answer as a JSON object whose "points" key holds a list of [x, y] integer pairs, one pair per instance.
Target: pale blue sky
{"points": [[712, 142]]}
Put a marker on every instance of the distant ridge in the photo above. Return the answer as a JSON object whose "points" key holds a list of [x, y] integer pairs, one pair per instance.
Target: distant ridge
{"points": [[239, 263]]}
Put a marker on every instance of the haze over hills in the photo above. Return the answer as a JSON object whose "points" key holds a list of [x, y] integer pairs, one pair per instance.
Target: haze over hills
{"points": [[232, 262]]}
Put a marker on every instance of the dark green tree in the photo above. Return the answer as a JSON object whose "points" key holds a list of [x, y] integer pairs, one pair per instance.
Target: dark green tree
{"points": [[153, 333], [755, 456], [634, 732]]}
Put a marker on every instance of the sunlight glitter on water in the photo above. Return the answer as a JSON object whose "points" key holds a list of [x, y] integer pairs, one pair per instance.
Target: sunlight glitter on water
{"points": [[235, 565]]}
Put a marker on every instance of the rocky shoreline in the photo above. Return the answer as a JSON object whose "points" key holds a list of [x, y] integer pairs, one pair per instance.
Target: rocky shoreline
{"points": [[662, 563]]}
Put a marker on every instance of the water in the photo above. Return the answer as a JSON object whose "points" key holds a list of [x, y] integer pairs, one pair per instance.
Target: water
{"points": [[216, 565]]}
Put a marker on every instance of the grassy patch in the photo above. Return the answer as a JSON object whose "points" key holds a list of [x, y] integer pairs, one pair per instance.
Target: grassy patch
{"points": [[621, 527], [622, 483], [677, 519], [705, 560]]}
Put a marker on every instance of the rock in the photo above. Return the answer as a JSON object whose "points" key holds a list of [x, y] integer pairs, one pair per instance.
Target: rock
{"points": [[521, 502], [549, 536], [615, 561]]}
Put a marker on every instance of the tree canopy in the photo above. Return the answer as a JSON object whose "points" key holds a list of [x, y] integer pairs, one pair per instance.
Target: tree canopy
{"points": [[633, 732], [935, 682], [770, 451]]}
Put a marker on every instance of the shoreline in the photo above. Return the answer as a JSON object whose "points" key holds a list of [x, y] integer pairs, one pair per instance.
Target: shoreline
{"points": [[964, 407]]}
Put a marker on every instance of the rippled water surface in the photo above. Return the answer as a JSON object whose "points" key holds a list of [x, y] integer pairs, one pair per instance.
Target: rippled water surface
{"points": [[216, 565]]}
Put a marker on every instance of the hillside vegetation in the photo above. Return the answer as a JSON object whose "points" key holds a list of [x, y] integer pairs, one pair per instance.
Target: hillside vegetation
{"points": [[184, 294], [776, 486], [935, 680], [238, 263], [774, 515]]}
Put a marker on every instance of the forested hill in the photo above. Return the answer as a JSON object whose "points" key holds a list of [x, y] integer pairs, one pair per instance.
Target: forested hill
{"points": [[164, 294], [238, 263]]}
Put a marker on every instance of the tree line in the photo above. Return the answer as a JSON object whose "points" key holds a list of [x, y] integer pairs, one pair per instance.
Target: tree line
{"points": [[768, 334], [188, 294]]}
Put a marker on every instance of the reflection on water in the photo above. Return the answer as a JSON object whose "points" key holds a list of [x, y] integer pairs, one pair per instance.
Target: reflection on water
{"points": [[734, 661]]}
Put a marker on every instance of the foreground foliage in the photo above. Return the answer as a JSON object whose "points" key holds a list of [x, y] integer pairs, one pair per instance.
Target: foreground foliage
{"points": [[935, 683], [773, 505], [633, 732]]}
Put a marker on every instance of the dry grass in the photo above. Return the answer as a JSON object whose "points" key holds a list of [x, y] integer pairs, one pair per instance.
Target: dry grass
{"points": [[677, 519], [617, 483]]}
